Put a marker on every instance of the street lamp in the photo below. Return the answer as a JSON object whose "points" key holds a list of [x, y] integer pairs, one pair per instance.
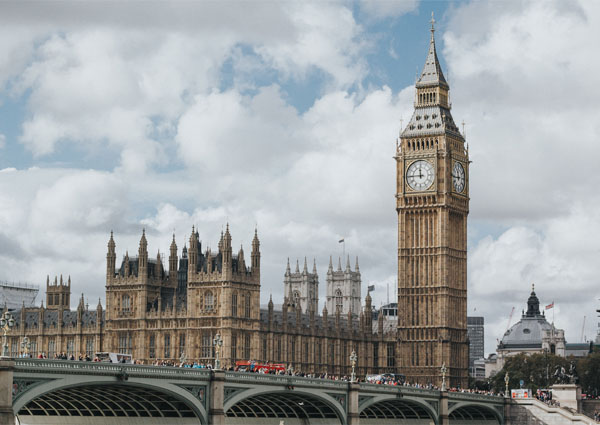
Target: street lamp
{"points": [[444, 370], [6, 323], [506, 380], [218, 343], [353, 359], [25, 345]]}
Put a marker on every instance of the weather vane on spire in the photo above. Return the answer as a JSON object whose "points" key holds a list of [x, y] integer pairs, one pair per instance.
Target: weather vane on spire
{"points": [[432, 23]]}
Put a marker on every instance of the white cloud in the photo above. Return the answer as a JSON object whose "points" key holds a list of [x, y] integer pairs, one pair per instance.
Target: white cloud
{"points": [[520, 76]]}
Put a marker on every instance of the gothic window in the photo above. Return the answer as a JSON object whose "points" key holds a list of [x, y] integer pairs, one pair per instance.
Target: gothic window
{"points": [[330, 354], [234, 304], [33, 349], [296, 298], [278, 351], [264, 349], [207, 348], [126, 304], [167, 346], [391, 355], [51, 349], [208, 301], [182, 344], [152, 347], [292, 357], [70, 346], [233, 347], [305, 353], [318, 352], [375, 356], [14, 347], [247, 306], [247, 346], [339, 300], [125, 343]]}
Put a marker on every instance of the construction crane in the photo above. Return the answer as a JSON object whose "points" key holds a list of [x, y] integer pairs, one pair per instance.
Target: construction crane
{"points": [[509, 319], [582, 330]]}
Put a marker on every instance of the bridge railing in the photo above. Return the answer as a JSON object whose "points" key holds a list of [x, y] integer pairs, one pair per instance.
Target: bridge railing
{"points": [[455, 395], [408, 390], [101, 368], [243, 377]]}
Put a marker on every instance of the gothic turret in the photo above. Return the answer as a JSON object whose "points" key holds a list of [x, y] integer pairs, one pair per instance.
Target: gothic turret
{"points": [[241, 261], [173, 261], [143, 259], [111, 258], [255, 255], [193, 255]]}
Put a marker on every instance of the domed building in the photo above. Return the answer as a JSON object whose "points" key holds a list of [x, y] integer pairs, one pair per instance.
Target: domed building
{"points": [[532, 334]]}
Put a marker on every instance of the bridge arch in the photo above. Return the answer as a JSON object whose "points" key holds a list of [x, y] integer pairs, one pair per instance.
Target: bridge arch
{"points": [[266, 406], [390, 409], [470, 413], [106, 397]]}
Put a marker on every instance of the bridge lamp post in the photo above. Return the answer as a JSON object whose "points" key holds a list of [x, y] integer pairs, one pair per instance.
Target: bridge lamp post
{"points": [[353, 359], [25, 345], [443, 370], [506, 381], [7, 322], [218, 343]]}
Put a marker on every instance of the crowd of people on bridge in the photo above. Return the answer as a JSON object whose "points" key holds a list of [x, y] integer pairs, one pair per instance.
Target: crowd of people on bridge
{"points": [[384, 379]]}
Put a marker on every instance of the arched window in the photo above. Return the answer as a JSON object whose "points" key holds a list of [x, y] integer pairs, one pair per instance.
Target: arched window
{"points": [[234, 304], [125, 304], [247, 306], [296, 297], [339, 300], [208, 301]]}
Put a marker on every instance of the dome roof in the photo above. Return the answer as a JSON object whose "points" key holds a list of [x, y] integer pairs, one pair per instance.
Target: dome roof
{"points": [[528, 331]]}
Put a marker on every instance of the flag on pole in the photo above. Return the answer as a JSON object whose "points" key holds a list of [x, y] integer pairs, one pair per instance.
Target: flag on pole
{"points": [[549, 306], [370, 288], [341, 240]]}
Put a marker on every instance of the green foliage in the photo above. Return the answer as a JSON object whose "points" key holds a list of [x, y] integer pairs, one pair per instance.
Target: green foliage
{"points": [[588, 370], [536, 370]]}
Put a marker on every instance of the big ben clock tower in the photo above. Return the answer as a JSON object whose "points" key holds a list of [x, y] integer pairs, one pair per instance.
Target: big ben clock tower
{"points": [[432, 196]]}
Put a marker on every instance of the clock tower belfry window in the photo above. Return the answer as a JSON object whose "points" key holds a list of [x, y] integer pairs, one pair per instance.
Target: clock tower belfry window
{"points": [[432, 201]]}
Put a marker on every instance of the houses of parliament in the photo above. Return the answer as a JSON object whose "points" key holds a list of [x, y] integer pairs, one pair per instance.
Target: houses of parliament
{"points": [[157, 311]]}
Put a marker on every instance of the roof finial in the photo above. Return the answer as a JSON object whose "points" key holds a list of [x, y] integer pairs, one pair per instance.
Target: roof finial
{"points": [[533, 287], [432, 25]]}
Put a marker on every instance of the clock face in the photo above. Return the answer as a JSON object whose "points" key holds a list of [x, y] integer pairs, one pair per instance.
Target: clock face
{"points": [[458, 177], [420, 175]]}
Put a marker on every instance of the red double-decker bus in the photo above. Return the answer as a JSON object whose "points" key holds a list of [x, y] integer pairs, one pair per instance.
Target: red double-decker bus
{"points": [[253, 366]]}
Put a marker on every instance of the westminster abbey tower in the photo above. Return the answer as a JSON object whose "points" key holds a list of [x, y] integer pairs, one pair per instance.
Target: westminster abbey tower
{"points": [[432, 204]]}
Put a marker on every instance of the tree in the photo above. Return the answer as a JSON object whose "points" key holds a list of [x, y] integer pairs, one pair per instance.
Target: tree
{"points": [[536, 371], [588, 370]]}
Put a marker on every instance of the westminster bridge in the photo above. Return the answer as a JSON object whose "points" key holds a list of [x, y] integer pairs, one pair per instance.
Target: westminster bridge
{"points": [[71, 392]]}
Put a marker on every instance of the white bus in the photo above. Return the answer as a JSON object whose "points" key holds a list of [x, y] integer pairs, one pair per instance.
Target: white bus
{"points": [[115, 358]]}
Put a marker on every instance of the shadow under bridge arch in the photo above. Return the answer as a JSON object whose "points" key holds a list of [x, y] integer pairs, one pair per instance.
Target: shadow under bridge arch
{"points": [[397, 411], [470, 414], [293, 407], [113, 403]]}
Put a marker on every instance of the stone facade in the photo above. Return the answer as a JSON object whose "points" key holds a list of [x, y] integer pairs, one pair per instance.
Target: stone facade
{"points": [[432, 204], [302, 288], [343, 288], [155, 313]]}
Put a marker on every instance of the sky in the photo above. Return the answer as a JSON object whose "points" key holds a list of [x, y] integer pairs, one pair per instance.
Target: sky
{"points": [[284, 116]]}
